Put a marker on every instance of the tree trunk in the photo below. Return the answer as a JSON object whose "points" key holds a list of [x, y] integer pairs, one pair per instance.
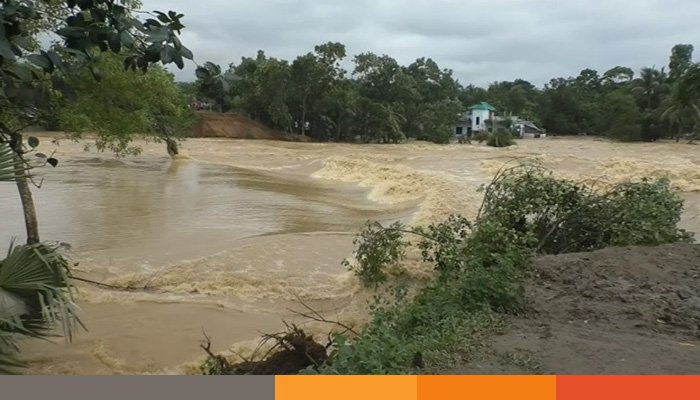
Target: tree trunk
{"points": [[172, 148], [338, 133], [170, 143], [303, 119], [25, 196], [304, 102]]}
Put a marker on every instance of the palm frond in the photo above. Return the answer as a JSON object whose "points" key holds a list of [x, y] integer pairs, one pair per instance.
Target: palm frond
{"points": [[36, 293], [7, 163]]}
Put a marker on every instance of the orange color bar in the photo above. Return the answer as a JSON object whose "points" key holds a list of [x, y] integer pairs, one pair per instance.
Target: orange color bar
{"points": [[650, 387], [345, 387], [487, 387]]}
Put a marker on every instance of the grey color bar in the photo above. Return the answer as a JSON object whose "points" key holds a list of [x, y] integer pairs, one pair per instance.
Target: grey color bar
{"points": [[137, 387]]}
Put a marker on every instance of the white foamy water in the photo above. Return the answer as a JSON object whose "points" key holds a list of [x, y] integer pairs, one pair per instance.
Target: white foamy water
{"points": [[227, 239]]}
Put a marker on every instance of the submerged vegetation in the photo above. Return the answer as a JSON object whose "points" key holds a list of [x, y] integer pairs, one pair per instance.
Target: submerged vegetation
{"points": [[480, 265]]}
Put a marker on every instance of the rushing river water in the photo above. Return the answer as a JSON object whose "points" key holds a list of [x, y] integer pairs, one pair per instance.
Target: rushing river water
{"points": [[227, 240]]}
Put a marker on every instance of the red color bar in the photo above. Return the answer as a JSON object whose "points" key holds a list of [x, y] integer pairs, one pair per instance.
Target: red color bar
{"points": [[628, 387]]}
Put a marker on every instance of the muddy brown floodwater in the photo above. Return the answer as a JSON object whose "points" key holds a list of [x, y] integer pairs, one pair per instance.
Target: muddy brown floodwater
{"points": [[227, 239]]}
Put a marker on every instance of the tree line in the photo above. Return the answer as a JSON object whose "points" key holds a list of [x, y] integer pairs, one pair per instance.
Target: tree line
{"points": [[383, 101], [380, 101]]}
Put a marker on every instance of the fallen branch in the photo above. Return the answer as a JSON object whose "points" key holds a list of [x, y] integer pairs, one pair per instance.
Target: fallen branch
{"points": [[316, 316]]}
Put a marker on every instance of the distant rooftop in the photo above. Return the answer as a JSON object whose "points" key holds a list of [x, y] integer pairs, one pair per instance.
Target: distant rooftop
{"points": [[483, 106]]}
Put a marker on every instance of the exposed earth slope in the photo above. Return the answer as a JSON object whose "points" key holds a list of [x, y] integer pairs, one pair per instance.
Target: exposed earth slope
{"points": [[632, 310]]}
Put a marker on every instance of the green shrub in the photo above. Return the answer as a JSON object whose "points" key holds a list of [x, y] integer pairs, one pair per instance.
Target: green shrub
{"points": [[481, 136], [376, 248], [502, 138], [564, 216], [497, 285], [403, 332], [444, 244]]}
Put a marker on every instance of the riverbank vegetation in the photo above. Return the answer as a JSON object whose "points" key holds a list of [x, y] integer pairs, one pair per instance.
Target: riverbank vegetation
{"points": [[379, 100], [480, 265]]}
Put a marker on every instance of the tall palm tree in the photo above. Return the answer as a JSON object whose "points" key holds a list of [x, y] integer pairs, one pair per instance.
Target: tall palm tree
{"points": [[35, 288], [689, 85], [649, 87], [681, 109]]}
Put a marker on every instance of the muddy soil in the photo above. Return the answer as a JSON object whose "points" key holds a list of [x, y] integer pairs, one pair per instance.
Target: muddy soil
{"points": [[236, 126], [632, 310]]}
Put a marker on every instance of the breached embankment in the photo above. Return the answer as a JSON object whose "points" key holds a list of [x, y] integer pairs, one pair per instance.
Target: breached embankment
{"points": [[313, 197], [438, 193]]}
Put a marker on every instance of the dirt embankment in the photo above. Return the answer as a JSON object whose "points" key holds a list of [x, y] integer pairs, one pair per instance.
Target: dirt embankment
{"points": [[236, 126], [631, 310]]}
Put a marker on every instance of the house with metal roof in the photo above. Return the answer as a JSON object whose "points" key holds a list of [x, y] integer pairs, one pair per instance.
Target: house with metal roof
{"points": [[527, 129], [481, 117]]}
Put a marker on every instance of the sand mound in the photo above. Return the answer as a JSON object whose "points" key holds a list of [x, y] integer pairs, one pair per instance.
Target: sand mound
{"points": [[633, 310], [236, 126]]}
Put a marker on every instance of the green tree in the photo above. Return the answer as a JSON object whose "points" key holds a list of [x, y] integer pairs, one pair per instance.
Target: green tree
{"points": [[338, 111], [518, 97], [618, 76], [212, 85], [260, 88], [588, 86], [471, 94], [433, 106], [620, 117], [650, 87], [313, 76], [679, 62], [383, 86], [681, 110], [124, 104], [87, 30], [689, 86], [560, 108]]}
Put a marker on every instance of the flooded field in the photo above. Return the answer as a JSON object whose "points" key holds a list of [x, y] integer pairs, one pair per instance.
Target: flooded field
{"points": [[229, 238]]}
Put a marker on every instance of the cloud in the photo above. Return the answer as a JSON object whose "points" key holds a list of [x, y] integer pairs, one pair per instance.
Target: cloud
{"points": [[482, 41]]}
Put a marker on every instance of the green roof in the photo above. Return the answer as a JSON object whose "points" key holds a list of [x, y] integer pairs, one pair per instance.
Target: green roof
{"points": [[482, 106]]}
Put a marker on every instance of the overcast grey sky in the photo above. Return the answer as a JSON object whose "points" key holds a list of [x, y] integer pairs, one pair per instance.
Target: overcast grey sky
{"points": [[481, 40]]}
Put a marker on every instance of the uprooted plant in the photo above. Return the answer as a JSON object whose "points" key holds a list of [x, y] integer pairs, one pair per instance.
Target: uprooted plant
{"points": [[291, 351]]}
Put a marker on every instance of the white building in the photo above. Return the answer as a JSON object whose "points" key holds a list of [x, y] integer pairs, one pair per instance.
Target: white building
{"points": [[480, 113], [481, 117], [475, 119]]}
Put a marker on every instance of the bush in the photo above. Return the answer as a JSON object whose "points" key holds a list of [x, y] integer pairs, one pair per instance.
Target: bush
{"points": [[404, 335], [564, 216], [377, 247], [502, 138], [481, 136]]}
